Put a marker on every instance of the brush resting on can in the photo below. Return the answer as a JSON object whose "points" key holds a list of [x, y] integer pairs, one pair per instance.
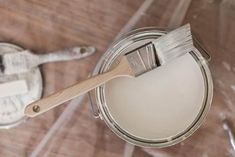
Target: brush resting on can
{"points": [[139, 61]]}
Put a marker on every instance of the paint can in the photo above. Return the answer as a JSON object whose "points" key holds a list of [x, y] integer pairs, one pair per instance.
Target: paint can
{"points": [[161, 108]]}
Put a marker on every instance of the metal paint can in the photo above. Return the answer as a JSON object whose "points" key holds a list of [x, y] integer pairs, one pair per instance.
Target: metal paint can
{"points": [[131, 41]]}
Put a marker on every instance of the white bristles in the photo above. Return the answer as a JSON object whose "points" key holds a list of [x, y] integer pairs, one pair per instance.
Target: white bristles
{"points": [[174, 44], [168, 47]]}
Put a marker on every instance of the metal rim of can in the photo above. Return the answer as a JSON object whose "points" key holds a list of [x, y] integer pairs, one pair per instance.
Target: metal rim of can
{"points": [[109, 57]]}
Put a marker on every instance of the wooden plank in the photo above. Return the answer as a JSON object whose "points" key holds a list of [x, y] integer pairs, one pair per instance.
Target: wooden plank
{"points": [[45, 26]]}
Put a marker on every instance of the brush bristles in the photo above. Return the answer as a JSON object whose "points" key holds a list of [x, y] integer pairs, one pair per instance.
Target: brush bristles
{"points": [[162, 50], [174, 44], [142, 59]]}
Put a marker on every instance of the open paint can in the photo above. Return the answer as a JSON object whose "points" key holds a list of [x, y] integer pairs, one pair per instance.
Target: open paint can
{"points": [[159, 108]]}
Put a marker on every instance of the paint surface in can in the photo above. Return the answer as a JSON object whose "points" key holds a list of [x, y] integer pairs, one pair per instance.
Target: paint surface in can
{"points": [[159, 104], [159, 108]]}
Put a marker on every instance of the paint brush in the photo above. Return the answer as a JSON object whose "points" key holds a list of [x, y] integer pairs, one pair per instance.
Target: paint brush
{"points": [[137, 62], [23, 61]]}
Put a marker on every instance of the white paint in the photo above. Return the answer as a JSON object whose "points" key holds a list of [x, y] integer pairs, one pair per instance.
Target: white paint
{"points": [[159, 104], [13, 88], [226, 66], [12, 107], [24, 61]]}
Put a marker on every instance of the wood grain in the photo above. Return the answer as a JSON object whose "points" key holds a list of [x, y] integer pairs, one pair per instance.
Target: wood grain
{"points": [[44, 26]]}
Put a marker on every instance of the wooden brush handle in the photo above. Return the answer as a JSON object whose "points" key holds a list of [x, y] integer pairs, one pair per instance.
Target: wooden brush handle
{"points": [[73, 91]]}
